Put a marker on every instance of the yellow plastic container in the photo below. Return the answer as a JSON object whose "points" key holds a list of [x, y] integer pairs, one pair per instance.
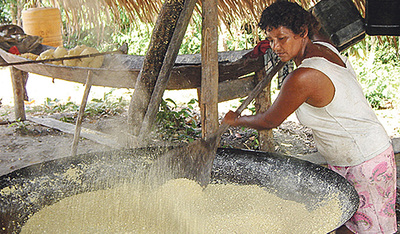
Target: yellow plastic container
{"points": [[44, 22]]}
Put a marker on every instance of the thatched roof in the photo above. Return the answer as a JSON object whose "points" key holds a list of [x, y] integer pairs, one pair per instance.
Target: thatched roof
{"points": [[147, 10]]}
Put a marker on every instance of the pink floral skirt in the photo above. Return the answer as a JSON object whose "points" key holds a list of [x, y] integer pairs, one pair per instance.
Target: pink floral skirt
{"points": [[375, 183]]}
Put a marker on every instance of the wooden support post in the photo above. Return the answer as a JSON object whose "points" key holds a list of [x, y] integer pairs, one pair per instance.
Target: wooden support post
{"points": [[81, 112], [209, 68], [18, 83], [166, 68], [146, 80], [262, 103]]}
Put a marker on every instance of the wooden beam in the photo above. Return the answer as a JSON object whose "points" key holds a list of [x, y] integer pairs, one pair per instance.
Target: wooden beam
{"points": [[262, 103], [69, 128], [160, 40], [233, 89], [209, 68]]}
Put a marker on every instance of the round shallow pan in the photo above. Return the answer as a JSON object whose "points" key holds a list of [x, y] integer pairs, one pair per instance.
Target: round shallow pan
{"points": [[25, 191]]}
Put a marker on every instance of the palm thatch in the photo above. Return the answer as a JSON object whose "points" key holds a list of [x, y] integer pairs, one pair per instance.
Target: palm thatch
{"points": [[78, 11], [99, 13]]}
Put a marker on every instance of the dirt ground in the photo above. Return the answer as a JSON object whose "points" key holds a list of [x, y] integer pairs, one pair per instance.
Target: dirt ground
{"points": [[26, 143]]}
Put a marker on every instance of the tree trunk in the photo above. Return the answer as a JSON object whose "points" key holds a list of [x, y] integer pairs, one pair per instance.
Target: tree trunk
{"points": [[160, 40]]}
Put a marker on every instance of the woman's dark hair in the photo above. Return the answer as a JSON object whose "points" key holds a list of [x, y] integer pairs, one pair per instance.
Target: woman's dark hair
{"points": [[289, 15]]}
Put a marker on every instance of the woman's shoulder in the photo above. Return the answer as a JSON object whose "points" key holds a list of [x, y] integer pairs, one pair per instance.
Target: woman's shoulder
{"points": [[304, 75], [322, 53]]}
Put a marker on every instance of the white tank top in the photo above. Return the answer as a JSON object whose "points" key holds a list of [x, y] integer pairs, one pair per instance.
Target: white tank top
{"points": [[346, 131]]}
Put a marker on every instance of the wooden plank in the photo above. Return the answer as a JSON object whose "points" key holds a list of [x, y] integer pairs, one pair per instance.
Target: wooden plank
{"points": [[233, 89], [93, 135], [209, 69]]}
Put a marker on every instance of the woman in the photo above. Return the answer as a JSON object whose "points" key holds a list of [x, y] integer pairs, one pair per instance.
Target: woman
{"points": [[324, 93]]}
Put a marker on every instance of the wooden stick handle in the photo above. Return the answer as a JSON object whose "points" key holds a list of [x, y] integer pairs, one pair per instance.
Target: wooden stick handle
{"points": [[57, 59], [121, 50], [257, 90]]}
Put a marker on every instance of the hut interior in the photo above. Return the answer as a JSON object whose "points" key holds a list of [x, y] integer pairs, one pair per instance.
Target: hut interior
{"points": [[215, 14], [213, 73]]}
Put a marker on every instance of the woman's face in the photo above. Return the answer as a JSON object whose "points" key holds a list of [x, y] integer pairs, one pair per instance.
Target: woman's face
{"points": [[285, 43]]}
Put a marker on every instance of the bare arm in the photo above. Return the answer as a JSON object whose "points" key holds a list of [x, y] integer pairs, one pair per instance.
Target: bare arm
{"points": [[302, 85], [292, 94]]}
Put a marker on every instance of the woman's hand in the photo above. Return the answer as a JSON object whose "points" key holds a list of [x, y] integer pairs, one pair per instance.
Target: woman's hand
{"points": [[230, 118]]}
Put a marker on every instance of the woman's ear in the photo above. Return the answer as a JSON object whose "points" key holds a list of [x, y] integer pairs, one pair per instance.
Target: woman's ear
{"points": [[304, 32]]}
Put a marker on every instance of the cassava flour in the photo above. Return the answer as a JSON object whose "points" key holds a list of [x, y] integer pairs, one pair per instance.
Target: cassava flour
{"points": [[182, 206]]}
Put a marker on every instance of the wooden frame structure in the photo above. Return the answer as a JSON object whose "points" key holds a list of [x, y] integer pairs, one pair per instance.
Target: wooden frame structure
{"points": [[236, 78], [219, 76]]}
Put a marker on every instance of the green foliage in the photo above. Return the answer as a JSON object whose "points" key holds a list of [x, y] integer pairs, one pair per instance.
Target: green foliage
{"points": [[20, 126], [89, 37], [191, 43], [137, 38], [387, 53], [251, 107], [105, 106], [5, 113], [137, 35], [97, 107], [54, 106], [378, 71], [380, 83], [5, 14], [253, 142], [240, 37], [177, 123]]}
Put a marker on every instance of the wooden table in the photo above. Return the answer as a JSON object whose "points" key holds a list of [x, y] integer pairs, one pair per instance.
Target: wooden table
{"points": [[121, 71]]}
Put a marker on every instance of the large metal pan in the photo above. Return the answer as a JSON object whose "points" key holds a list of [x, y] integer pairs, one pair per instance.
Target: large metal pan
{"points": [[25, 191]]}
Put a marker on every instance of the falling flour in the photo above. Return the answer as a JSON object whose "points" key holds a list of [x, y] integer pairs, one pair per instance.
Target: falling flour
{"points": [[182, 206]]}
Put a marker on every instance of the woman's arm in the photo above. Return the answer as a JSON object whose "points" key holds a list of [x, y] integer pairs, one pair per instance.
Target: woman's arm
{"points": [[296, 89]]}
